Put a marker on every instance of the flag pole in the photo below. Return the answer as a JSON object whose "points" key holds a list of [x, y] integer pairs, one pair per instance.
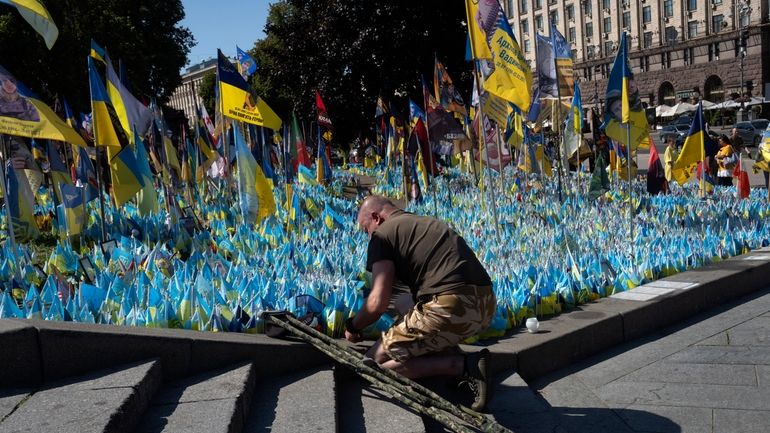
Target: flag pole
{"points": [[500, 159], [9, 223], [430, 153], [98, 164], [556, 125], [630, 190], [482, 132]]}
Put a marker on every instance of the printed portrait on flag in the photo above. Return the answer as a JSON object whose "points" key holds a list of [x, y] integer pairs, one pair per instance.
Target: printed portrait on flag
{"points": [[12, 103]]}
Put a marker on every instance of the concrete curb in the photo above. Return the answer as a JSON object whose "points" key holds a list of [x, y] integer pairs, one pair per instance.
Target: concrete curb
{"points": [[607, 322]]}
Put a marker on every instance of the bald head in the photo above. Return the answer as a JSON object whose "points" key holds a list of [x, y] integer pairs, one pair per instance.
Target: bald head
{"points": [[374, 210]]}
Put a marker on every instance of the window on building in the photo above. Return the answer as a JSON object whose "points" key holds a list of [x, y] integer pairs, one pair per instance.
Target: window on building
{"points": [[716, 23], [665, 60], [587, 8], [551, 2], [510, 8], [587, 73], [745, 20], [647, 14], [570, 10], [523, 6], [692, 5], [668, 8], [526, 45], [539, 22], [554, 17], [692, 29], [626, 3], [525, 26], [647, 42], [606, 4], [714, 52], [572, 34], [607, 25], [538, 4], [608, 48], [574, 54], [589, 29], [689, 56], [644, 63], [626, 20], [716, 2]]}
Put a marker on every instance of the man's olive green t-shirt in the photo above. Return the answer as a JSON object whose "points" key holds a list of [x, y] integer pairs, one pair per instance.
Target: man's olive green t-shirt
{"points": [[429, 256]]}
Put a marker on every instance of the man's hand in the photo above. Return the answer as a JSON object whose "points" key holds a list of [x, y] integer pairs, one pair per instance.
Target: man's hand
{"points": [[353, 338]]}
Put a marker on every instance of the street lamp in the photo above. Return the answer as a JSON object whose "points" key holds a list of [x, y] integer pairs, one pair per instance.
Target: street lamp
{"points": [[742, 9]]}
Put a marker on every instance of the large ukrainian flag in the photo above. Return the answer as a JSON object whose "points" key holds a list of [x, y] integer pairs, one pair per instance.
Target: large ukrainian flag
{"points": [[622, 108], [131, 112], [694, 149], [27, 116], [38, 17], [124, 169], [255, 195], [237, 100]]}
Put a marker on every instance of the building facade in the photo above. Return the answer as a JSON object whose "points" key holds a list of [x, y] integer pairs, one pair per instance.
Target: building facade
{"points": [[186, 96], [680, 50]]}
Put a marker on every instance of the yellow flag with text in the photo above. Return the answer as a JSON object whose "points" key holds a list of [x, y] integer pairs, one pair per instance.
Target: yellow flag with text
{"points": [[512, 77]]}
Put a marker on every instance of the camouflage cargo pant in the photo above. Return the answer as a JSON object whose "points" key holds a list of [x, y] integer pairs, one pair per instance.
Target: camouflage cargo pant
{"points": [[439, 322]]}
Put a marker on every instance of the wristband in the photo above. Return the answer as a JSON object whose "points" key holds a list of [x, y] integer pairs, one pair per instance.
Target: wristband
{"points": [[349, 326]]}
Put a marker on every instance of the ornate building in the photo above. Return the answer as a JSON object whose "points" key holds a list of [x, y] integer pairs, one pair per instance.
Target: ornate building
{"points": [[680, 50], [185, 96]]}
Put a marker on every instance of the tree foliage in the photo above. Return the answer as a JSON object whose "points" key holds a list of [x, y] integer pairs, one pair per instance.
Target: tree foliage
{"points": [[146, 35], [352, 51]]}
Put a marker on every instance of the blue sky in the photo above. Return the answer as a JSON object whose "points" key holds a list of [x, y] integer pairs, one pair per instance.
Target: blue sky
{"points": [[223, 24]]}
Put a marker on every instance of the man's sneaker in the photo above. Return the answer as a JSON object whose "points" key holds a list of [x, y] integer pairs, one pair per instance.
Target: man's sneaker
{"points": [[476, 375]]}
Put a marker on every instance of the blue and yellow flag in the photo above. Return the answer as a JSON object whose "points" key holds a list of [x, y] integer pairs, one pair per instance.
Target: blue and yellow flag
{"points": [[131, 112], [97, 52], [246, 64], [694, 150], [623, 107], [125, 175], [106, 123], [22, 114], [147, 198], [564, 71], [255, 196], [38, 17], [20, 205], [72, 209], [59, 173], [236, 99], [512, 78], [577, 111]]}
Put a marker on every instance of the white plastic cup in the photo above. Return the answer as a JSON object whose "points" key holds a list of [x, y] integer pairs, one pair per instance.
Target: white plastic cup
{"points": [[532, 325]]}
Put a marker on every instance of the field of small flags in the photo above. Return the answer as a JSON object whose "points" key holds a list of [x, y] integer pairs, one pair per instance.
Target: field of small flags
{"points": [[219, 273]]}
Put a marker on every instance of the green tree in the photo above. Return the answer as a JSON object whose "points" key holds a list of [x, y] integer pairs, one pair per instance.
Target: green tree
{"points": [[206, 91], [353, 51], [145, 35]]}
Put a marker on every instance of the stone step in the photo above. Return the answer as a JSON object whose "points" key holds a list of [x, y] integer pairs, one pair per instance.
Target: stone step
{"points": [[362, 408], [298, 402], [110, 400], [519, 408], [216, 401]]}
